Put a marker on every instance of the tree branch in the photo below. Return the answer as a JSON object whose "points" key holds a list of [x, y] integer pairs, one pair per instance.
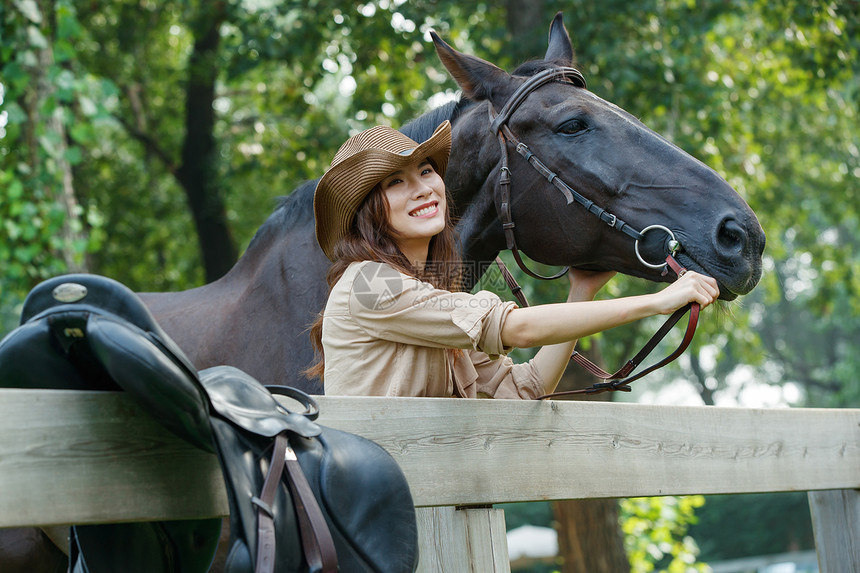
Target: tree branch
{"points": [[150, 144]]}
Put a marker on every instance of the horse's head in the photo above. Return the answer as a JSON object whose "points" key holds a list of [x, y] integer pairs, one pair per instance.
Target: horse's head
{"points": [[608, 157]]}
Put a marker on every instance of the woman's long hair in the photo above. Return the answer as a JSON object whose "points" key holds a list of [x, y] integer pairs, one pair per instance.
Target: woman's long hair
{"points": [[372, 238]]}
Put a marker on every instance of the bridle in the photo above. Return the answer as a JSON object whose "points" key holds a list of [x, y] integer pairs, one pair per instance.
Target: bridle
{"points": [[620, 380]]}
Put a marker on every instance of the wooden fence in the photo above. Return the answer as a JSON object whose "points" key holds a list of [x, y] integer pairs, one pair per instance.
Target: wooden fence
{"points": [[94, 457]]}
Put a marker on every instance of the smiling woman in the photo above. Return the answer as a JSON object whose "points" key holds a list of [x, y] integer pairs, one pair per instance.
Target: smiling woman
{"points": [[416, 207], [396, 323]]}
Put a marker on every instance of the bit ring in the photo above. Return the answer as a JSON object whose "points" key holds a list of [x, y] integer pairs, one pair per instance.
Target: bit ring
{"points": [[675, 245]]}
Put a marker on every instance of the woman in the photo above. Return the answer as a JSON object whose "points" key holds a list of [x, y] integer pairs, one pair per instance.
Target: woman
{"points": [[395, 323]]}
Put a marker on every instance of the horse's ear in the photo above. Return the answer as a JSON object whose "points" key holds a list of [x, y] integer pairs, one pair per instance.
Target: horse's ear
{"points": [[560, 49], [477, 78]]}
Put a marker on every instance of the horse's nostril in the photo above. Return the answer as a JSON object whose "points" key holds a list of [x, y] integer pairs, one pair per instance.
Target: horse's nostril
{"points": [[731, 236]]}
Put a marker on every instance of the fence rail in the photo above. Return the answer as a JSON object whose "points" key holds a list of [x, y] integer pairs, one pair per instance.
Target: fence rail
{"points": [[94, 457]]}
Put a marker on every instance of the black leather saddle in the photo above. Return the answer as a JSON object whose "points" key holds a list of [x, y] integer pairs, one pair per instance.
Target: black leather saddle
{"points": [[64, 342], [303, 497]]}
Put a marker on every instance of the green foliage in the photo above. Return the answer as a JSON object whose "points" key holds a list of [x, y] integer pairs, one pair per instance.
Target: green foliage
{"points": [[789, 72], [735, 526], [531, 513], [789, 67], [655, 533], [47, 121]]}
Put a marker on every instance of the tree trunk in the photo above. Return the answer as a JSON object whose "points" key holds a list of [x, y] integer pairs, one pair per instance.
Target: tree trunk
{"points": [[198, 173], [589, 534], [706, 393], [72, 234]]}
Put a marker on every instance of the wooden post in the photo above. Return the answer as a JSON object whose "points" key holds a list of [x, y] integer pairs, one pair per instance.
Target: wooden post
{"points": [[462, 540], [836, 524]]}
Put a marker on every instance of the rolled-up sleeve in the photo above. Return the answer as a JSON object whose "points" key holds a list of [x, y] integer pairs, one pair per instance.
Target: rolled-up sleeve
{"points": [[399, 308], [503, 379], [483, 321]]}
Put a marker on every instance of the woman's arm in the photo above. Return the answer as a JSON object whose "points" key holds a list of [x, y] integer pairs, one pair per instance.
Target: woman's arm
{"points": [[563, 322], [557, 327]]}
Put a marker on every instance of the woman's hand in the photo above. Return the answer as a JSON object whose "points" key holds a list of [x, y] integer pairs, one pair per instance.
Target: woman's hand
{"points": [[692, 287], [584, 285]]}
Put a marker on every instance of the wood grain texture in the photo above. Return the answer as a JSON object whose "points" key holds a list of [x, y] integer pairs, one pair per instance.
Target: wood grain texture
{"points": [[458, 452], [462, 540], [836, 523], [88, 457]]}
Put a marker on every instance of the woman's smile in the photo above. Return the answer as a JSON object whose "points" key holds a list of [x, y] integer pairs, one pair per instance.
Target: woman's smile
{"points": [[427, 210], [416, 207]]}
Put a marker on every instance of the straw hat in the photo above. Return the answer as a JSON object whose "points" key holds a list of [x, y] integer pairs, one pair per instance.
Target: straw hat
{"points": [[362, 162]]}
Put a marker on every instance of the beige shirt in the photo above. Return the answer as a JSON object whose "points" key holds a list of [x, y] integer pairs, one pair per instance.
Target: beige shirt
{"points": [[389, 334]]}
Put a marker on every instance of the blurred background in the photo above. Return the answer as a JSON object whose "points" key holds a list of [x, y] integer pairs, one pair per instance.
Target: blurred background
{"points": [[147, 140]]}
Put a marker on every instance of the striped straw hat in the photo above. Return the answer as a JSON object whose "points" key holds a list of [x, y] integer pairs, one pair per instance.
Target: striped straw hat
{"points": [[362, 162]]}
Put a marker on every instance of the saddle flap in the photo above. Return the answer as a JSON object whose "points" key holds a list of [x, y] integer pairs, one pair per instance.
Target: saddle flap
{"points": [[244, 401], [42, 355], [151, 374]]}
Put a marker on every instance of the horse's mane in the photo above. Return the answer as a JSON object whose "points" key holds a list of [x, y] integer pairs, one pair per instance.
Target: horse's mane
{"points": [[532, 67], [298, 207], [292, 209], [423, 126]]}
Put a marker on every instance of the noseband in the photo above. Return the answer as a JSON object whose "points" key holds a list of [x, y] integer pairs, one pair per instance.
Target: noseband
{"points": [[499, 125]]}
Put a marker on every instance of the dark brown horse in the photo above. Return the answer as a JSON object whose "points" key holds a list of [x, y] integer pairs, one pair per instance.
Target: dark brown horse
{"points": [[255, 317]]}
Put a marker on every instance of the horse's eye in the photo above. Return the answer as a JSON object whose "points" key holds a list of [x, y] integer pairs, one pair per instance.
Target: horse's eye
{"points": [[572, 127]]}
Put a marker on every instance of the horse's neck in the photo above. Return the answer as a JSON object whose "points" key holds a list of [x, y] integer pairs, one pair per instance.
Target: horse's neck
{"points": [[471, 179], [268, 297], [209, 304], [480, 235]]}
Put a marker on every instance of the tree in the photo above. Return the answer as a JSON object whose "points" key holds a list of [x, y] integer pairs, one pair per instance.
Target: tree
{"points": [[47, 118], [656, 534]]}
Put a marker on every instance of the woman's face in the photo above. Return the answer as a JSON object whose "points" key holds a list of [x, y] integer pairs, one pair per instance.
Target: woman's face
{"points": [[416, 201]]}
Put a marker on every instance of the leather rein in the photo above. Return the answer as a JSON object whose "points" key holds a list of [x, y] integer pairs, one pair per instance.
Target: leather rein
{"points": [[621, 379]]}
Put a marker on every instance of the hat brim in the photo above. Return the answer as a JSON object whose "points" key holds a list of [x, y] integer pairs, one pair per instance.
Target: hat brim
{"points": [[345, 185]]}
